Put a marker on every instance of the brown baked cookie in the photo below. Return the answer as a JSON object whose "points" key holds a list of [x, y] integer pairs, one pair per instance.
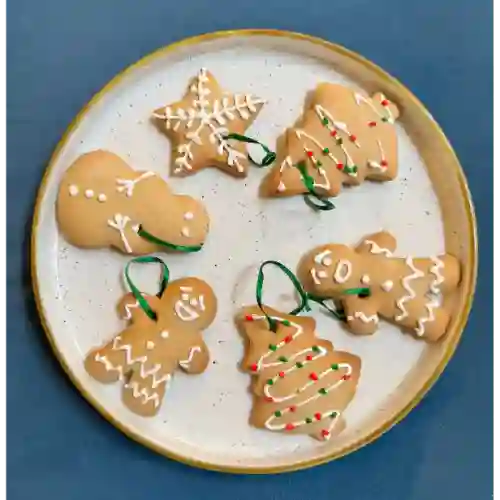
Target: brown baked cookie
{"points": [[344, 137], [102, 202], [199, 122], [407, 291], [145, 354], [300, 384]]}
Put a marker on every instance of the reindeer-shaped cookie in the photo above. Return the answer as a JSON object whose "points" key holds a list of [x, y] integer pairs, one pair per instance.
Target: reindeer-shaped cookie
{"points": [[144, 355], [300, 384], [344, 137], [102, 202], [407, 291]]}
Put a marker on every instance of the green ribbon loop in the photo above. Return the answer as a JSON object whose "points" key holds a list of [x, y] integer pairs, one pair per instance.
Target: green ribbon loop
{"points": [[312, 198], [304, 296], [179, 248], [270, 156], [165, 275]]}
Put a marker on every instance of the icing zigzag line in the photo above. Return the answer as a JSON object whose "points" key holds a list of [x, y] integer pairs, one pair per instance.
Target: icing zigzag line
{"points": [[430, 306], [435, 270], [406, 284], [109, 366]]}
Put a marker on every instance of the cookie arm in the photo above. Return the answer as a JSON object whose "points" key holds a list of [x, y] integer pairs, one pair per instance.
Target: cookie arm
{"points": [[382, 243], [361, 314], [196, 358]]}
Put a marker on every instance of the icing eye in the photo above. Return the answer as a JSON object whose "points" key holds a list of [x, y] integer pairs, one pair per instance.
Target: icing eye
{"points": [[327, 261], [322, 274]]}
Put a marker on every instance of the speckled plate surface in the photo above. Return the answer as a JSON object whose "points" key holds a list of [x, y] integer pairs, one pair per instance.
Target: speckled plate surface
{"points": [[204, 420]]}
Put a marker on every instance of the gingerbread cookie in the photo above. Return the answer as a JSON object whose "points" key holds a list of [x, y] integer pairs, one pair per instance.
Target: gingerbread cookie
{"points": [[145, 354], [300, 384], [344, 137], [102, 202], [407, 291], [199, 123]]}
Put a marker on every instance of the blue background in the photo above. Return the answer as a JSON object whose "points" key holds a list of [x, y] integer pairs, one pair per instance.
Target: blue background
{"points": [[60, 52]]}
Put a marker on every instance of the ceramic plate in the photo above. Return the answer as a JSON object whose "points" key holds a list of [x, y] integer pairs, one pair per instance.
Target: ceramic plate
{"points": [[204, 419]]}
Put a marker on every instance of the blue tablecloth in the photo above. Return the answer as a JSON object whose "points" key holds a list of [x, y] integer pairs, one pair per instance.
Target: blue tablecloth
{"points": [[59, 53]]}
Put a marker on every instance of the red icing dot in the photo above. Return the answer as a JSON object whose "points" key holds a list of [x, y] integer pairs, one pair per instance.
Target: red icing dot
{"points": [[333, 133], [317, 416], [281, 374], [384, 163], [249, 317], [288, 339], [269, 399], [346, 377], [340, 166], [372, 124], [353, 138], [292, 408], [313, 376], [385, 102], [289, 427], [254, 367], [309, 153], [309, 357], [325, 433]]}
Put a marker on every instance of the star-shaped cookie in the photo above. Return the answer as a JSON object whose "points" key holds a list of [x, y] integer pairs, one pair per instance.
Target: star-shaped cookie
{"points": [[199, 123]]}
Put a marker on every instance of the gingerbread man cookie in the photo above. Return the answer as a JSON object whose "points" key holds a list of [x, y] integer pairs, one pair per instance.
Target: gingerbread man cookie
{"points": [[344, 137], [102, 202], [407, 291], [145, 354], [199, 123], [300, 384]]}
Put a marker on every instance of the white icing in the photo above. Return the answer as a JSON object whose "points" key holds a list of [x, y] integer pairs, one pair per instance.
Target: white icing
{"points": [[120, 223], [143, 394], [89, 193], [186, 289], [212, 115], [281, 187], [185, 232], [363, 317], [375, 164], [326, 182], [150, 345], [416, 273], [109, 366], [365, 279], [193, 301], [322, 258], [73, 190], [201, 302], [436, 271], [375, 249], [164, 334], [362, 99], [186, 362], [185, 296], [343, 271], [315, 277], [387, 285], [128, 312], [127, 185], [130, 360], [322, 274], [185, 312], [430, 306], [188, 216], [102, 197], [261, 364]]}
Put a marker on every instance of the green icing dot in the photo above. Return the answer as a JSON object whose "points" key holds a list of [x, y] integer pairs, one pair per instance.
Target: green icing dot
{"points": [[323, 391], [354, 169], [385, 119], [283, 359], [299, 364], [315, 348], [324, 121], [340, 141], [309, 420], [335, 366], [269, 381], [318, 164], [286, 322], [333, 414], [277, 413], [272, 347], [326, 151]]}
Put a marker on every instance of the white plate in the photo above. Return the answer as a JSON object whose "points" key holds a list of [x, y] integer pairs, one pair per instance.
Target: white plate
{"points": [[204, 420]]}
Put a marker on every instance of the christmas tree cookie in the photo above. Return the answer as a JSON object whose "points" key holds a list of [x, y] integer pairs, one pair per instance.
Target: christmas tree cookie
{"points": [[301, 385], [102, 202], [343, 138], [409, 292], [200, 122], [145, 354]]}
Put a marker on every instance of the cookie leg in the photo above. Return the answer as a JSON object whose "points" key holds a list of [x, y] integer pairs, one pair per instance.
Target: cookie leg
{"points": [[361, 315], [140, 397], [433, 326], [106, 364]]}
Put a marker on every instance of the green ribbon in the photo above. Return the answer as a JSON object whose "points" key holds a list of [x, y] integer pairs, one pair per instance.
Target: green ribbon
{"points": [[179, 248], [165, 275], [268, 158], [305, 297], [312, 198]]}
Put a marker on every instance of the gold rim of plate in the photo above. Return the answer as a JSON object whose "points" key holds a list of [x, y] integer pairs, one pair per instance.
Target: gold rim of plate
{"points": [[470, 269]]}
